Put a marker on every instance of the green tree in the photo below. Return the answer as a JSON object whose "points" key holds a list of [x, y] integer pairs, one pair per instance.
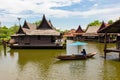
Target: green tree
{"points": [[37, 22], [5, 32], [110, 21], [95, 23], [13, 29]]}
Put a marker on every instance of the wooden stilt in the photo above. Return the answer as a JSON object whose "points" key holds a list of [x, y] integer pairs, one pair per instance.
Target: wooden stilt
{"points": [[119, 56], [4, 47], [105, 41]]}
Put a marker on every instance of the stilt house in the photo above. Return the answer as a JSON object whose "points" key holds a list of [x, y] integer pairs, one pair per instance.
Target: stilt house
{"points": [[113, 28], [32, 36]]}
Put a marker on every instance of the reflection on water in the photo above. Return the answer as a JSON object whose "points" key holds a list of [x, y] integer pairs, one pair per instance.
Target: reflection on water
{"points": [[41, 64]]}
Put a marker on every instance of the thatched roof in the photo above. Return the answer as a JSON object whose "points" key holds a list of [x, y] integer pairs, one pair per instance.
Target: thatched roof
{"points": [[45, 28], [39, 32], [113, 28], [91, 31], [90, 34], [45, 32], [29, 25]]}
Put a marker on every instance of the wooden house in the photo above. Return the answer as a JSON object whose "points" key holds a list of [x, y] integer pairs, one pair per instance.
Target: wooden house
{"points": [[78, 34], [70, 34], [91, 33], [74, 34], [101, 36], [113, 28], [32, 36]]}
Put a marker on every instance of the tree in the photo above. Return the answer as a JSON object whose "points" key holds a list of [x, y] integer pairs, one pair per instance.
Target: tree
{"points": [[95, 23], [5, 32], [110, 22], [37, 22], [13, 29]]}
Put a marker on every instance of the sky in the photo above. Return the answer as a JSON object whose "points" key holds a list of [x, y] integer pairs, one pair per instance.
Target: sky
{"points": [[64, 14]]}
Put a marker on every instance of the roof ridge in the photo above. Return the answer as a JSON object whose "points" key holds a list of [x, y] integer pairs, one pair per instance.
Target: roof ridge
{"points": [[79, 30], [45, 22]]}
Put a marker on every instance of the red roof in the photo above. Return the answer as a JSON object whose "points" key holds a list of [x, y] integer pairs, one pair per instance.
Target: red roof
{"points": [[70, 33], [79, 30]]}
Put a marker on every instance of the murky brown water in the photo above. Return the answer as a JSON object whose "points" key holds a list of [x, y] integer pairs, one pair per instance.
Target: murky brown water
{"points": [[41, 64]]}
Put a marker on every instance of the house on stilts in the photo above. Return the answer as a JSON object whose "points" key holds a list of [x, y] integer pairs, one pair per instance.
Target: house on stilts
{"points": [[91, 33], [78, 34], [32, 36], [113, 28], [69, 35], [110, 37], [74, 34]]}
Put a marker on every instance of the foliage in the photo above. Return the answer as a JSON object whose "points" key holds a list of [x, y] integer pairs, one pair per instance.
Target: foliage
{"points": [[110, 22], [95, 23], [37, 22], [5, 32]]}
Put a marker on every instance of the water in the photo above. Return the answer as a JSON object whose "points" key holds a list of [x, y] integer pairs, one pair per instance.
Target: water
{"points": [[37, 64]]}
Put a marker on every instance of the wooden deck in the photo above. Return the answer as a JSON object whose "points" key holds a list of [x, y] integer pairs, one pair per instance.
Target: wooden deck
{"points": [[112, 50], [45, 46], [108, 50]]}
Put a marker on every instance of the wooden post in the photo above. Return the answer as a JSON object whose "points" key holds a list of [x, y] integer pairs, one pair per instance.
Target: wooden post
{"points": [[4, 47], [119, 56], [105, 46]]}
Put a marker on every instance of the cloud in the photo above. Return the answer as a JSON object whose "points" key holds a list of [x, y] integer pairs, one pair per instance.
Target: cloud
{"points": [[11, 9], [95, 5]]}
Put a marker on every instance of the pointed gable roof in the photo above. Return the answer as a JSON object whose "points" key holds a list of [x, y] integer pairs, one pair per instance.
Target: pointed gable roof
{"points": [[29, 25], [51, 24], [79, 30], [20, 31], [113, 28], [103, 25], [44, 24]]}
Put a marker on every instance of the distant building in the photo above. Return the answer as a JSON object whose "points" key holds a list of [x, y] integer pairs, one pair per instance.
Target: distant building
{"points": [[92, 34], [70, 34], [74, 34], [78, 34], [32, 36]]}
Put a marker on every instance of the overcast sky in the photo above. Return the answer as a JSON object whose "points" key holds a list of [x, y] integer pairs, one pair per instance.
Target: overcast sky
{"points": [[64, 14]]}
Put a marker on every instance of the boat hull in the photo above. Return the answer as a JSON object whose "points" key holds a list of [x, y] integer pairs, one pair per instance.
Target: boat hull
{"points": [[76, 57]]}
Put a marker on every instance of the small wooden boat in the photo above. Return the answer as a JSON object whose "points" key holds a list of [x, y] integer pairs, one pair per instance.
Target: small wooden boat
{"points": [[76, 56]]}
